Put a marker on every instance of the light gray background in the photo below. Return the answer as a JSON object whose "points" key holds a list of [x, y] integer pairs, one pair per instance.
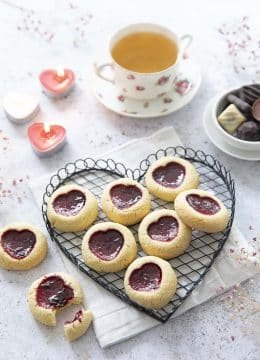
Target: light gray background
{"points": [[203, 333]]}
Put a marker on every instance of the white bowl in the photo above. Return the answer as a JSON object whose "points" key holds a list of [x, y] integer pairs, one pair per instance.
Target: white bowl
{"points": [[219, 105]]}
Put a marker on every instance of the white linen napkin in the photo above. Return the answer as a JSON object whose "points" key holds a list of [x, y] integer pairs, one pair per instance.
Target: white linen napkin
{"points": [[115, 321]]}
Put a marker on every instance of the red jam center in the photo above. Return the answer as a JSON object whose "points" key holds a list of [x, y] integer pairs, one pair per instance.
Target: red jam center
{"points": [[203, 204], [148, 277], [18, 244], [165, 229], [106, 244], [77, 317], [170, 175], [69, 204], [125, 196], [53, 292]]}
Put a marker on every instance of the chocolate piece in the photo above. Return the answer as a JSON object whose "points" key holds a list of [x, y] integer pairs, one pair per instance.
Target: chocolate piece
{"points": [[18, 244], [69, 204], [249, 131], [231, 118], [165, 229], [106, 244], [148, 277], [171, 175], [203, 204], [53, 293], [125, 196], [256, 109], [239, 103], [249, 93]]}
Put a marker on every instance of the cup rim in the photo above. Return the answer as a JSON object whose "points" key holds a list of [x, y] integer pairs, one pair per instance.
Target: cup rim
{"points": [[232, 138], [148, 73]]}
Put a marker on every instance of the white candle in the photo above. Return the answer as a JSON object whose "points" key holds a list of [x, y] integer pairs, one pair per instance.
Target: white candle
{"points": [[20, 107]]}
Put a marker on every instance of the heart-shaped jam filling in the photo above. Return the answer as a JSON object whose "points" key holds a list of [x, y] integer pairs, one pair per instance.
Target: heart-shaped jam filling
{"points": [[18, 244], [69, 204], [53, 292], [203, 204], [125, 196], [170, 175], [106, 244], [165, 229], [148, 277]]}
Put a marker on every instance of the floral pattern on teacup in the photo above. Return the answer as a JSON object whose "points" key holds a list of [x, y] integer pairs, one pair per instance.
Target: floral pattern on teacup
{"points": [[161, 94], [167, 100], [140, 88], [130, 77], [183, 86], [163, 80]]}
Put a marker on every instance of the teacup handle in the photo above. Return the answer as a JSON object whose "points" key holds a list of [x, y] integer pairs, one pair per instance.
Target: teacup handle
{"points": [[99, 70], [186, 41]]}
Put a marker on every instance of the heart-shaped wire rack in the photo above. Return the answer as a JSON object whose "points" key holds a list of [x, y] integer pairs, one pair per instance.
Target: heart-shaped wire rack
{"points": [[190, 267]]}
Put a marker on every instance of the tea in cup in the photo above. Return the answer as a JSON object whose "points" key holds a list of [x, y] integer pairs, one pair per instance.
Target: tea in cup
{"points": [[145, 60]]}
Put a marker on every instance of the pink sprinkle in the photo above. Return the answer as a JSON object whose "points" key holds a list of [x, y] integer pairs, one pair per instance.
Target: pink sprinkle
{"points": [[232, 338]]}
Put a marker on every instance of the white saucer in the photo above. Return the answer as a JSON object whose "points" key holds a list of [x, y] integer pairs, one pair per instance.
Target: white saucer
{"points": [[166, 104], [219, 142]]}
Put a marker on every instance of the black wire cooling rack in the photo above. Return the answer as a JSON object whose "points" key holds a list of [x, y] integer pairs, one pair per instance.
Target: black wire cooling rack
{"points": [[204, 248]]}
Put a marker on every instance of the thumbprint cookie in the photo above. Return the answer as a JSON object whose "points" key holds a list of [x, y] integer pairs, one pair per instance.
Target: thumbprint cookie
{"points": [[201, 210], [150, 281], [162, 233], [22, 246], [72, 208], [79, 325], [126, 201], [108, 247], [169, 176], [52, 293]]}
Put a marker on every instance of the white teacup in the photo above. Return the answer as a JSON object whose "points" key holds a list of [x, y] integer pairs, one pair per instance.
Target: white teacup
{"points": [[144, 86]]}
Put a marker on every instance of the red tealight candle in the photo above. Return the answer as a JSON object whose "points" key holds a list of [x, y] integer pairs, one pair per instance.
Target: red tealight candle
{"points": [[57, 83], [46, 139]]}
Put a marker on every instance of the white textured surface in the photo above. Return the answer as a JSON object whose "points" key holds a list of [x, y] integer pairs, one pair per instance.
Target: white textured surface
{"points": [[202, 333]]}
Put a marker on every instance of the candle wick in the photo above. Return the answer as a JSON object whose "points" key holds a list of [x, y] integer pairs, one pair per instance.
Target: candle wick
{"points": [[60, 73], [47, 129]]}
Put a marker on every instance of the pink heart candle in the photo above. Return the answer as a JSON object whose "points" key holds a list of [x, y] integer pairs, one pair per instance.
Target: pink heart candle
{"points": [[57, 83], [46, 139]]}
